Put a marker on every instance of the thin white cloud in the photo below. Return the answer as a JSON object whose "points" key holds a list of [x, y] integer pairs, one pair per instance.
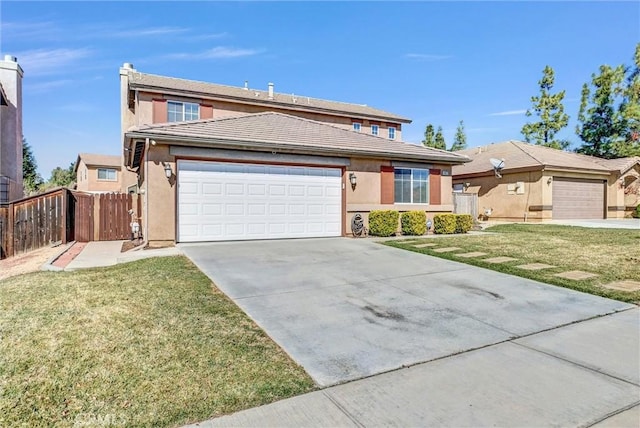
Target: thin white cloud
{"points": [[212, 36], [147, 32], [219, 52], [50, 61], [427, 57], [47, 86], [509, 113], [30, 30]]}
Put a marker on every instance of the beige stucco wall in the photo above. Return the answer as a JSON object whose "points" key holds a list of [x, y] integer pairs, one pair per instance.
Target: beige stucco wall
{"points": [[160, 195], [223, 109], [87, 179], [11, 127], [366, 195], [536, 203]]}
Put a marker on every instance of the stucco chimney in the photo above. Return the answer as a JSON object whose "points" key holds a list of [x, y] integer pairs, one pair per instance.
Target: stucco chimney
{"points": [[11, 125], [270, 90], [246, 85]]}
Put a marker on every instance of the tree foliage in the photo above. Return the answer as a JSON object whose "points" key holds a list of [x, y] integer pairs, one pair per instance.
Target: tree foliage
{"points": [[439, 142], [429, 136], [609, 117], [460, 139], [61, 177], [549, 110], [30, 177]]}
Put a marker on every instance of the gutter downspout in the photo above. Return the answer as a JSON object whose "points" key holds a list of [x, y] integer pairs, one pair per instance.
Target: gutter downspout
{"points": [[146, 193]]}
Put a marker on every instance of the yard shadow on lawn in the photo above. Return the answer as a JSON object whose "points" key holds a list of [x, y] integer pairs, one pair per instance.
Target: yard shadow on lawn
{"points": [[148, 343]]}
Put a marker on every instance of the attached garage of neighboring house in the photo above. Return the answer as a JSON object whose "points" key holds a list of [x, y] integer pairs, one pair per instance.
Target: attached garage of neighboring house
{"points": [[271, 176], [539, 183], [235, 201], [578, 198]]}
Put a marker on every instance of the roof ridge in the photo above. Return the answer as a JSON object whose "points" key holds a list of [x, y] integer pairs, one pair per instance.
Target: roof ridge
{"points": [[518, 145], [259, 90]]}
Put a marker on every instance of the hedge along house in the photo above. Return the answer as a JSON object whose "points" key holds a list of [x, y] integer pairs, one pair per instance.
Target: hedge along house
{"points": [[540, 183], [270, 175]]}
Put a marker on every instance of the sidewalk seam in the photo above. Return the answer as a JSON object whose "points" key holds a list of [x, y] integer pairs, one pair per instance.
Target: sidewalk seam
{"points": [[609, 415], [342, 409]]}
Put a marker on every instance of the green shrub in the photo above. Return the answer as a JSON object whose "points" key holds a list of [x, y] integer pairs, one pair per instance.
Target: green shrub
{"points": [[413, 223], [464, 223], [636, 213], [383, 222], [444, 224]]}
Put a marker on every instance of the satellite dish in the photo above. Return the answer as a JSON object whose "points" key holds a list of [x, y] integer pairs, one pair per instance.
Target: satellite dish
{"points": [[498, 165]]}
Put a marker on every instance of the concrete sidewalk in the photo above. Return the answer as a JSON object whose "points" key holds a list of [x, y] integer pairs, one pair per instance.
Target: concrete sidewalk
{"points": [[108, 253], [583, 374]]}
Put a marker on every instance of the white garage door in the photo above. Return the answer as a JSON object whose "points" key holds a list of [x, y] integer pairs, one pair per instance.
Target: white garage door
{"points": [[231, 201], [577, 199]]}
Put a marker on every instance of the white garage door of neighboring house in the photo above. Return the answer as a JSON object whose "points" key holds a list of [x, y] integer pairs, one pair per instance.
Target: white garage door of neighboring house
{"points": [[232, 201], [578, 199]]}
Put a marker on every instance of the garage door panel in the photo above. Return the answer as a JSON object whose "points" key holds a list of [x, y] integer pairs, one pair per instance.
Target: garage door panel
{"points": [[578, 199], [219, 201]]}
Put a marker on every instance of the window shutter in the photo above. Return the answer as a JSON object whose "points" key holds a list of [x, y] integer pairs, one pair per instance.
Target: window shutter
{"points": [[206, 111], [434, 186], [386, 185], [159, 111]]}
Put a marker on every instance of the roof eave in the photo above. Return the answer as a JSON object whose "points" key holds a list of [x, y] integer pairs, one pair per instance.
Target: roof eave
{"points": [[265, 145], [261, 102]]}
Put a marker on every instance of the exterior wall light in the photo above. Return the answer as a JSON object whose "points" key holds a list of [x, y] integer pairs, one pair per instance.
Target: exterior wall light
{"points": [[549, 180], [167, 170], [353, 180]]}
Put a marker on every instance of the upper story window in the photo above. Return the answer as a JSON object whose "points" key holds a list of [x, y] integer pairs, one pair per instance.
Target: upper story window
{"points": [[357, 126], [374, 129], [411, 186], [392, 132], [107, 174], [179, 111]]}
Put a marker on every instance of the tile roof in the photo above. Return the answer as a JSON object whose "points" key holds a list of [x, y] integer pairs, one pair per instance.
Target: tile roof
{"points": [[154, 82], [91, 159], [621, 165], [517, 155], [281, 132]]}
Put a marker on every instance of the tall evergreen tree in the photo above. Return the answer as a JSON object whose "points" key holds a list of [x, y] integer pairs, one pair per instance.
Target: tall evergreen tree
{"points": [[549, 109], [439, 140], [30, 177], [429, 136], [630, 111], [460, 139], [601, 126]]}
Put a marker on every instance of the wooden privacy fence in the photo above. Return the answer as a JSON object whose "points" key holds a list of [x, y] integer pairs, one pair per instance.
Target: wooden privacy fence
{"points": [[465, 203], [61, 216], [36, 221]]}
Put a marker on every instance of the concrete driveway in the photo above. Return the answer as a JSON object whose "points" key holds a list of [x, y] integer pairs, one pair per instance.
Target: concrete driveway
{"points": [[347, 309]]}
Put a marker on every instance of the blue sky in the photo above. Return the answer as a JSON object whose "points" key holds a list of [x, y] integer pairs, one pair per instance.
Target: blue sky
{"points": [[434, 62]]}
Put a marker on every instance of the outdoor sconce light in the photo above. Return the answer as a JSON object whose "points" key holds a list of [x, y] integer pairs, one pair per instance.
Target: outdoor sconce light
{"points": [[549, 180], [167, 170], [353, 180], [466, 185]]}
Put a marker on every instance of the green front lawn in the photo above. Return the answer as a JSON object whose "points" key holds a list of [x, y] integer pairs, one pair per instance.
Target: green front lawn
{"points": [[149, 343], [612, 254]]}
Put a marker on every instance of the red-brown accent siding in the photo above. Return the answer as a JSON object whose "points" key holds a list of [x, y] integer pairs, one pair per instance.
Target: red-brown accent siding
{"points": [[206, 111], [386, 185], [434, 186], [159, 111]]}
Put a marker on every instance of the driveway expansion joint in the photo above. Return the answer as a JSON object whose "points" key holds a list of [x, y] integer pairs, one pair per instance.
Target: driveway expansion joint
{"points": [[340, 407], [611, 414]]}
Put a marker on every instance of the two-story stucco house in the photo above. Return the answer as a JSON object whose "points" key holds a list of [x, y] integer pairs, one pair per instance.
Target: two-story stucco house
{"points": [[98, 173], [10, 129], [217, 162]]}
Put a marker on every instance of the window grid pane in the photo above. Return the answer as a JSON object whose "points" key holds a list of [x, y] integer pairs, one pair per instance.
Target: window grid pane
{"points": [[392, 133], [374, 129], [411, 186], [191, 111]]}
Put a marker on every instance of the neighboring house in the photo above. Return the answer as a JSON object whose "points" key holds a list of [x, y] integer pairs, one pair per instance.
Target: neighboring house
{"points": [[10, 129], [98, 173], [628, 173], [295, 169], [541, 183]]}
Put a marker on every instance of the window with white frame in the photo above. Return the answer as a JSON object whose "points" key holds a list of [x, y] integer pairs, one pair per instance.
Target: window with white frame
{"points": [[107, 174], [357, 126], [374, 129], [392, 132], [179, 112], [411, 186]]}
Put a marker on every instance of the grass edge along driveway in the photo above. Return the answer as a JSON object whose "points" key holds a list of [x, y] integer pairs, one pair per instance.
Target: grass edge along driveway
{"points": [[611, 254], [147, 343]]}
